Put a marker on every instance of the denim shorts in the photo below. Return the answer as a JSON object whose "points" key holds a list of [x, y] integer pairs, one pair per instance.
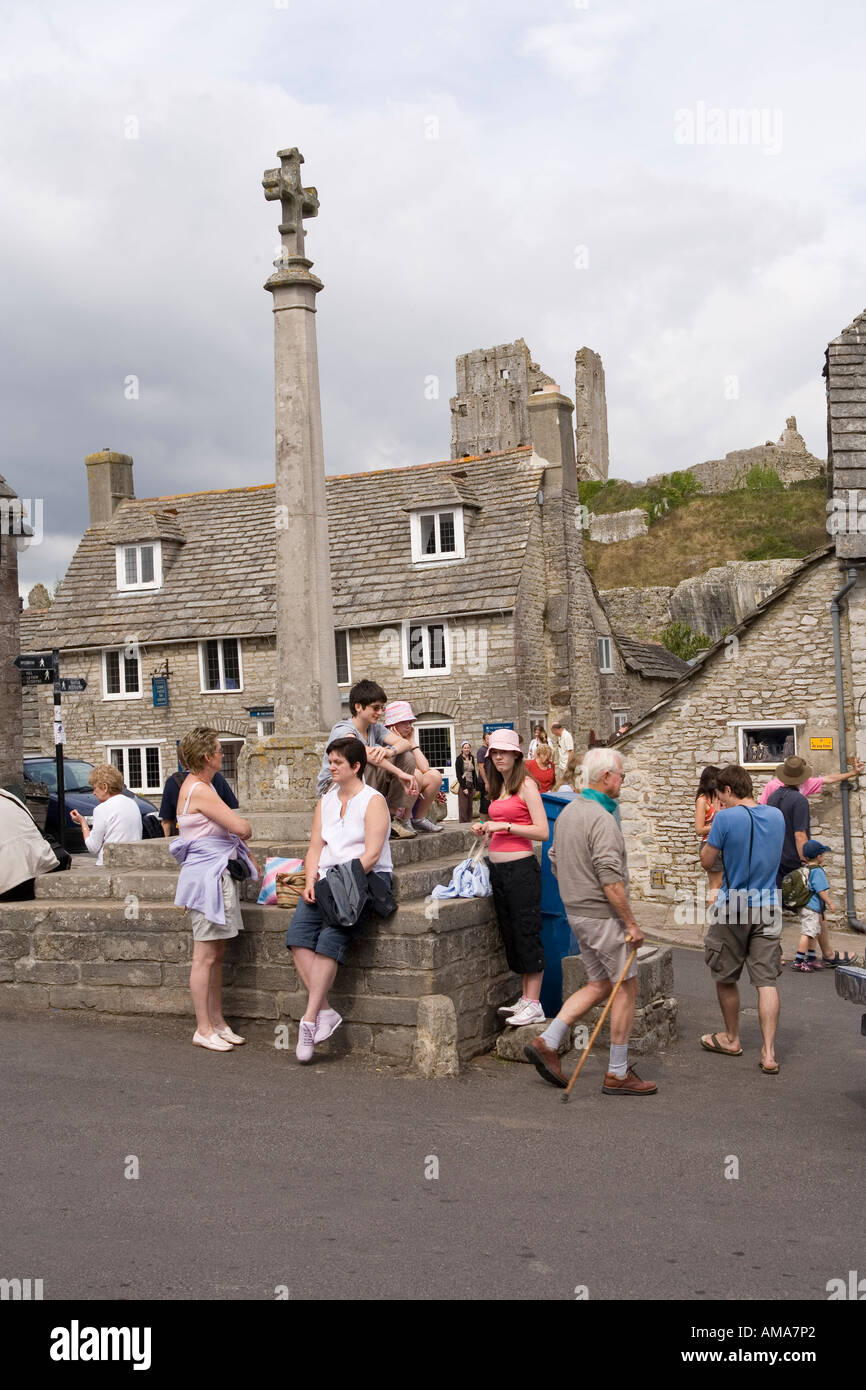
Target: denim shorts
{"points": [[308, 928]]}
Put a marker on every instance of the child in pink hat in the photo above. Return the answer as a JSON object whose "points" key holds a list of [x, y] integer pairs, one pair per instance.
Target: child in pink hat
{"points": [[399, 718]]}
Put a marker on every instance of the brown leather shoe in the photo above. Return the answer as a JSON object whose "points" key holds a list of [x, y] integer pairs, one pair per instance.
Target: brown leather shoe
{"points": [[628, 1085], [545, 1061]]}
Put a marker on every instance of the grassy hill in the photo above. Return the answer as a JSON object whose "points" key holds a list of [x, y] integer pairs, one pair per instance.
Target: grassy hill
{"points": [[689, 533]]}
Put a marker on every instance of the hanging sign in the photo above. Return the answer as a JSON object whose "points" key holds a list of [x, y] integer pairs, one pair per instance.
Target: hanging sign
{"points": [[159, 685]]}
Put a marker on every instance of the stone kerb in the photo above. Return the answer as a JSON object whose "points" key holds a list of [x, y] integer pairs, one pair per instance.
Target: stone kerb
{"points": [[655, 1017], [111, 940]]}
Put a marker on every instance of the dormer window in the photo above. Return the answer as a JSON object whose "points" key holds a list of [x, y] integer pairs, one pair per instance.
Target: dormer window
{"points": [[437, 535], [139, 566]]}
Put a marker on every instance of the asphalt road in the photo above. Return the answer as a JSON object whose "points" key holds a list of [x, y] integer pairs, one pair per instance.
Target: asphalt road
{"points": [[256, 1173]]}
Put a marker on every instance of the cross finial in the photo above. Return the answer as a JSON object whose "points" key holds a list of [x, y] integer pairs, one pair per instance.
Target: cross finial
{"points": [[297, 202]]}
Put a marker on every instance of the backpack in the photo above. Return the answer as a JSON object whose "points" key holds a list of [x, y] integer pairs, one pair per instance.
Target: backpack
{"points": [[796, 891]]}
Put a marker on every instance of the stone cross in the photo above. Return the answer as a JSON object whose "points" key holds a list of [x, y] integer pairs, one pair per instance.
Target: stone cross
{"points": [[297, 202]]}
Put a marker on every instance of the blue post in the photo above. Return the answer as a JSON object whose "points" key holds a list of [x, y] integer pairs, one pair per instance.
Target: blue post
{"points": [[556, 937]]}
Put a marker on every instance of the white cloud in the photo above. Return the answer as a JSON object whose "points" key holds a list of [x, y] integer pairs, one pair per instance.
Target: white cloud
{"points": [[584, 50]]}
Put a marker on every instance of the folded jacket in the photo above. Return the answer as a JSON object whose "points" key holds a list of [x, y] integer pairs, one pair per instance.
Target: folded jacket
{"points": [[202, 865], [346, 891]]}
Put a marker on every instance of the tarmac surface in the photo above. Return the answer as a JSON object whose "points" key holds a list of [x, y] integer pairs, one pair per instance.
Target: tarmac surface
{"points": [[256, 1173]]}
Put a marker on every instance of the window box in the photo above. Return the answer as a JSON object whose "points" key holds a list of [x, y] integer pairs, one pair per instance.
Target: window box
{"points": [[437, 535], [426, 649], [139, 566], [220, 665]]}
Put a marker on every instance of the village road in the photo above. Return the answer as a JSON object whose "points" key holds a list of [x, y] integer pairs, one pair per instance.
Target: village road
{"points": [[255, 1173]]}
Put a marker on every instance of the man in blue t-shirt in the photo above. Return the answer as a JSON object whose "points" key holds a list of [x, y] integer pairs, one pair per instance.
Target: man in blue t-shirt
{"points": [[746, 919]]}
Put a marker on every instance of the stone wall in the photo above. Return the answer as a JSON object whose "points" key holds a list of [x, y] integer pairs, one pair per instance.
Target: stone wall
{"points": [[590, 415], [710, 602], [781, 669], [788, 456], [609, 527], [112, 941]]}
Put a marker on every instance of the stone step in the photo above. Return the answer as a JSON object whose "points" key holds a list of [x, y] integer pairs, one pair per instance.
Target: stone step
{"points": [[154, 854], [90, 881]]}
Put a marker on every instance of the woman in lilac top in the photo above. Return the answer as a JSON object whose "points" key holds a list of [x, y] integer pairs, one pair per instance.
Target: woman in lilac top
{"points": [[211, 835]]}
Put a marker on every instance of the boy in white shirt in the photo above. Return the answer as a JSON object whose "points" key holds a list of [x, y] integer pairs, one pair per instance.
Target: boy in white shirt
{"points": [[116, 819]]}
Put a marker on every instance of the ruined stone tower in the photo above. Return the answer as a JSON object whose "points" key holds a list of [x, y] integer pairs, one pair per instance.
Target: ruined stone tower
{"points": [[590, 415], [490, 412]]}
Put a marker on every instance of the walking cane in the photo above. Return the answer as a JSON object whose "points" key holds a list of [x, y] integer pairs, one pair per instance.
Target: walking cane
{"points": [[596, 1030]]}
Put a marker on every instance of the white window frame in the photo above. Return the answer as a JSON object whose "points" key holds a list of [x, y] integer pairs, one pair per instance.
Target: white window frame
{"points": [[605, 648], [123, 746], [260, 728], [202, 667], [740, 724], [123, 587], [345, 633], [440, 724], [120, 652], [620, 717], [439, 557], [426, 670]]}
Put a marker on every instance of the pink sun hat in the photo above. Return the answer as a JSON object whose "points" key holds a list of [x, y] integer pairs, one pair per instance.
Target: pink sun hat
{"points": [[398, 712], [506, 740]]}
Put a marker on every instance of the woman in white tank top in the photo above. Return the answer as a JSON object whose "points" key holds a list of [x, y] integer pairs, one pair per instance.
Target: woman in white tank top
{"points": [[351, 821]]}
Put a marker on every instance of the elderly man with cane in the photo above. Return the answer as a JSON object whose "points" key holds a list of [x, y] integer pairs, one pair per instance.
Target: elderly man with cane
{"points": [[588, 859]]}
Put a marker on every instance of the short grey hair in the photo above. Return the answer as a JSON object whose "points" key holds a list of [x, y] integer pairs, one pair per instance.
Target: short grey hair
{"points": [[597, 762]]}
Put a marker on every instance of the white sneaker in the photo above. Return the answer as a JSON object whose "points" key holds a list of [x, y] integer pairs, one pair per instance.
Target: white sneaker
{"points": [[228, 1035], [427, 827], [327, 1023], [306, 1041], [530, 1011], [214, 1042], [512, 1008]]}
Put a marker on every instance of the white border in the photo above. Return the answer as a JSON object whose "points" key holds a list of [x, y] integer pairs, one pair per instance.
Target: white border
{"points": [[459, 551], [426, 670], [120, 567], [122, 694], [202, 667]]}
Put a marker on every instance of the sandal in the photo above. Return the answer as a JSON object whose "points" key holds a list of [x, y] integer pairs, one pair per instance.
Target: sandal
{"points": [[832, 961], [769, 1071], [714, 1046]]}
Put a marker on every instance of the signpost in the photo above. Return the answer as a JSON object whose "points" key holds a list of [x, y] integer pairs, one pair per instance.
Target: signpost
{"points": [[43, 668]]}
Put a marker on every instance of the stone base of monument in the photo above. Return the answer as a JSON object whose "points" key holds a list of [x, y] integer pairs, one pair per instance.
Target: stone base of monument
{"points": [[419, 989], [655, 1018], [277, 784]]}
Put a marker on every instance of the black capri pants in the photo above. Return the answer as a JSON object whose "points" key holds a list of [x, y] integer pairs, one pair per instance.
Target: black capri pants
{"points": [[516, 886]]}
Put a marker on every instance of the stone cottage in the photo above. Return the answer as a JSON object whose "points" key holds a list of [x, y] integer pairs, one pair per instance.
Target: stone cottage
{"points": [[763, 692], [459, 585]]}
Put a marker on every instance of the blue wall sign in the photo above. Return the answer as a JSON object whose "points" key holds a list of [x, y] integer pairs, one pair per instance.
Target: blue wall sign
{"points": [[160, 691]]}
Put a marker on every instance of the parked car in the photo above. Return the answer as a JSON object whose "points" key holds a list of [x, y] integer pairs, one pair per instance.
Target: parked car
{"points": [[851, 985], [79, 797]]}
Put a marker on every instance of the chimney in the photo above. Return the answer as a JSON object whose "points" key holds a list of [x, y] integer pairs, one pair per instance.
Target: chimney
{"points": [[550, 415], [109, 482]]}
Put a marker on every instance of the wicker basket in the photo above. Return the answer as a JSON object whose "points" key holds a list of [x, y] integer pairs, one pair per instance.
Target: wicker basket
{"points": [[289, 889]]}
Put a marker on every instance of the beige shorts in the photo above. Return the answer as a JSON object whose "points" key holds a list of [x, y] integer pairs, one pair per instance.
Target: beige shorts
{"points": [[603, 947], [203, 930], [811, 923], [729, 946]]}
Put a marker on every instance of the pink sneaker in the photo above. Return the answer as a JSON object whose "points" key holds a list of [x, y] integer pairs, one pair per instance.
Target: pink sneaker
{"points": [[306, 1041], [327, 1022]]}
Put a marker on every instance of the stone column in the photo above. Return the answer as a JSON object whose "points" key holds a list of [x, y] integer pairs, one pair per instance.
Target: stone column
{"points": [[278, 774], [11, 742]]}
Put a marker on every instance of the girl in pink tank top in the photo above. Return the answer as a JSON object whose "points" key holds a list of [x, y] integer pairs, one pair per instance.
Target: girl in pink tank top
{"points": [[517, 822]]}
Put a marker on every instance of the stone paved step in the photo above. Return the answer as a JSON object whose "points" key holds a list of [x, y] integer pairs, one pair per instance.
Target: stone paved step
{"points": [[90, 881], [153, 854]]}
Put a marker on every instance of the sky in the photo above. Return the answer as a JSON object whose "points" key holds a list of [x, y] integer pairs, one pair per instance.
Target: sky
{"points": [[571, 173]]}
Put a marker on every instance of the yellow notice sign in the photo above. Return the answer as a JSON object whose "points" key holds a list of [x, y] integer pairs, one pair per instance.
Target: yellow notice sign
{"points": [[816, 743]]}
